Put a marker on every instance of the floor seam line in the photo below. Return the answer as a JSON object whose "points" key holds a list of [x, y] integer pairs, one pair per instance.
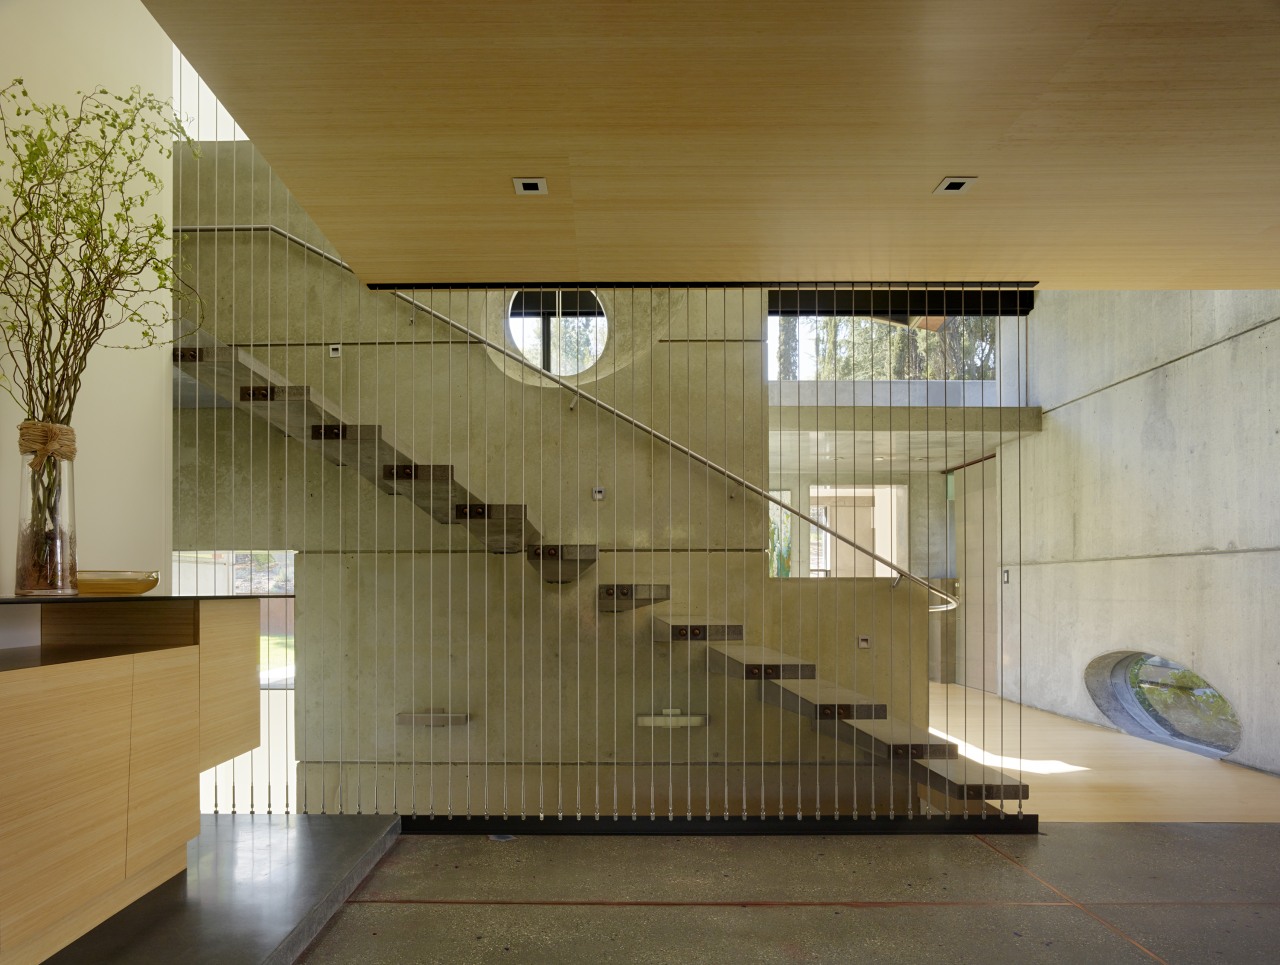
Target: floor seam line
{"points": [[1058, 891], [746, 903]]}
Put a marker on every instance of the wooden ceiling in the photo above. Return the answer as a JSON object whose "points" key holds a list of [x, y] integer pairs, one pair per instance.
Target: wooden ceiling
{"points": [[1116, 143]]}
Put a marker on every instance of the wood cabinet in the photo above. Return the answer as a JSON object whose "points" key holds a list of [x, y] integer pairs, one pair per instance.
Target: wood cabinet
{"points": [[105, 724]]}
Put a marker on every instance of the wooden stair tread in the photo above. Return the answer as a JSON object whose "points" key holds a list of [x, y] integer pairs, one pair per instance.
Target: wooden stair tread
{"points": [[751, 662], [889, 737], [966, 780]]}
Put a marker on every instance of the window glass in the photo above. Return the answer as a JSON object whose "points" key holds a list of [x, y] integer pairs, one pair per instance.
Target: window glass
{"points": [[561, 331], [842, 348], [1182, 703]]}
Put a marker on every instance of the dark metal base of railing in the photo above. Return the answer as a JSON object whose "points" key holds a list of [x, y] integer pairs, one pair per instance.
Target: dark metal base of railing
{"points": [[773, 825]]}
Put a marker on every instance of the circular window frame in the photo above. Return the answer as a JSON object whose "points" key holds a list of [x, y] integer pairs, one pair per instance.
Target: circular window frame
{"points": [[548, 304], [1107, 680]]}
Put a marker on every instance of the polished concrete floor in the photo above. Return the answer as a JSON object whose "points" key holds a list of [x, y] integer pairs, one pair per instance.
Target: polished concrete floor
{"points": [[1088, 893], [257, 890]]}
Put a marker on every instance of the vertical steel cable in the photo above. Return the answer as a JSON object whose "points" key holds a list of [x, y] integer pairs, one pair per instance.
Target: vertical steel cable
{"points": [[521, 489], [450, 422]]}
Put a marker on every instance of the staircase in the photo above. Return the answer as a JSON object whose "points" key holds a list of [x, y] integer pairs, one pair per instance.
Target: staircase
{"points": [[236, 376], [943, 781]]}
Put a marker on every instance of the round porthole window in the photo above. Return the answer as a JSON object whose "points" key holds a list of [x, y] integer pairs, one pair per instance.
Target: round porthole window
{"points": [[562, 331], [1153, 697]]}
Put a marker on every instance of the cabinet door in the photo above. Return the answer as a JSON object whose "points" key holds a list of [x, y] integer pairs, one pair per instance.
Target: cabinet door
{"points": [[229, 701], [64, 790], [164, 789]]}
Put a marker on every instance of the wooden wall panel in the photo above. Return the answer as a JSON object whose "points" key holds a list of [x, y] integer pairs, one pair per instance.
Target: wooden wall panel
{"points": [[125, 623], [229, 702], [164, 792], [63, 790]]}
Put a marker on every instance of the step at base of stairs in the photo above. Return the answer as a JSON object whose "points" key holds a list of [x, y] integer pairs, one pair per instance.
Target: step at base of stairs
{"points": [[891, 739], [821, 700], [616, 597], [744, 662], [966, 780], [694, 629], [563, 562]]}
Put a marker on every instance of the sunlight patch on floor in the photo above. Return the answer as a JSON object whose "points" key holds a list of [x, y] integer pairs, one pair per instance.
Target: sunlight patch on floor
{"points": [[975, 753]]}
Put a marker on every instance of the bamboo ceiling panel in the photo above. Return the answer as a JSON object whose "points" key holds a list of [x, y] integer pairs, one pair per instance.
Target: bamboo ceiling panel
{"points": [[1130, 144]]}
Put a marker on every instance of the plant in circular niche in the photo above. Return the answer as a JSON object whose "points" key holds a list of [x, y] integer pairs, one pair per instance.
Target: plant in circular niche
{"points": [[80, 255]]}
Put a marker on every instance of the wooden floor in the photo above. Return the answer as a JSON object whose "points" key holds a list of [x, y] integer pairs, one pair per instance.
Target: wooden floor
{"points": [[1096, 774]]}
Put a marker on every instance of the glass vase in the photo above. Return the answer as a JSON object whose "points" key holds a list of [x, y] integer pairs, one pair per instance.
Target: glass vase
{"points": [[46, 528]]}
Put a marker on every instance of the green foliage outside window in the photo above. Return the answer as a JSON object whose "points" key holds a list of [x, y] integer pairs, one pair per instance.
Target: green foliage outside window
{"points": [[1184, 703], [844, 348]]}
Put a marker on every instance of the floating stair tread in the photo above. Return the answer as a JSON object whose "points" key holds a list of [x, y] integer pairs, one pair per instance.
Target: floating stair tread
{"points": [[965, 780], [614, 597], [821, 700], [756, 663], [569, 552], [431, 488], [683, 628], [365, 450], [897, 739], [563, 562], [228, 371], [502, 527]]}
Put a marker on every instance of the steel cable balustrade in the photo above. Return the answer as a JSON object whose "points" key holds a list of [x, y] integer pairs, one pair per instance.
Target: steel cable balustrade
{"points": [[950, 603]]}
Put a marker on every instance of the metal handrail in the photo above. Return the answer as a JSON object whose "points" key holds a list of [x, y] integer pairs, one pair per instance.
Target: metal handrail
{"points": [[519, 358]]}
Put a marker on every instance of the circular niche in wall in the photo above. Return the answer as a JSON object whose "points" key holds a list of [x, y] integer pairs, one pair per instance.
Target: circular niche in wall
{"points": [[1157, 699], [562, 331]]}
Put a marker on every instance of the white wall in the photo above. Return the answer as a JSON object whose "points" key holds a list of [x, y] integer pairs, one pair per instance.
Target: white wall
{"points": [[1150, 518], [124, 414]]}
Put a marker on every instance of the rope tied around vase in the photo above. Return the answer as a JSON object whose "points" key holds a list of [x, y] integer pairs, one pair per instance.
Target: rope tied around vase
{"points": [[46, 440]]}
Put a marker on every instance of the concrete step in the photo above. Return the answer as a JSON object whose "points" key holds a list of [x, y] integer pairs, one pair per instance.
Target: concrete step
{"points": [[680, 628], [965, 780], [820, 700], [745, 662], [615, 597], [431, 488], [893, 739], [501, 527], [563, 562], [360, 447]]}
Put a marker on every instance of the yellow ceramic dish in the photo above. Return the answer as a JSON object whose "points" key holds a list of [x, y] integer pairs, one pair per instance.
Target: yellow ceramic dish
{"points": [[116, 582]]}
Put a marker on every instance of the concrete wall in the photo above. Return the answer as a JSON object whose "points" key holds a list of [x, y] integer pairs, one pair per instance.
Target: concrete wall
{"points": [[123, 416], [1148, 500], [397, 613]]}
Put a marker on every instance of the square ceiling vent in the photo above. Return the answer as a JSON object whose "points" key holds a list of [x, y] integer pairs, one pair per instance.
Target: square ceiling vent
{"points": [[953, 185], [530, 185]]}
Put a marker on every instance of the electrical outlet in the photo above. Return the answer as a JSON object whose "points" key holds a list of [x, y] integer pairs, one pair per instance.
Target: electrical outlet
{"points": [[1004, 576], [597, 493], [864, 643], [335, 351]]}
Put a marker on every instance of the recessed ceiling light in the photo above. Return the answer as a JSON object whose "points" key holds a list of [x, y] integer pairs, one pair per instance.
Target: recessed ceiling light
{"points": [[880, 458], [953, 185], [530, 185]]}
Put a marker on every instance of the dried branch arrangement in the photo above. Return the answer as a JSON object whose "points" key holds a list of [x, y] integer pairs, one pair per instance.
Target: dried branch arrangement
{"points": [[80, 256]]}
